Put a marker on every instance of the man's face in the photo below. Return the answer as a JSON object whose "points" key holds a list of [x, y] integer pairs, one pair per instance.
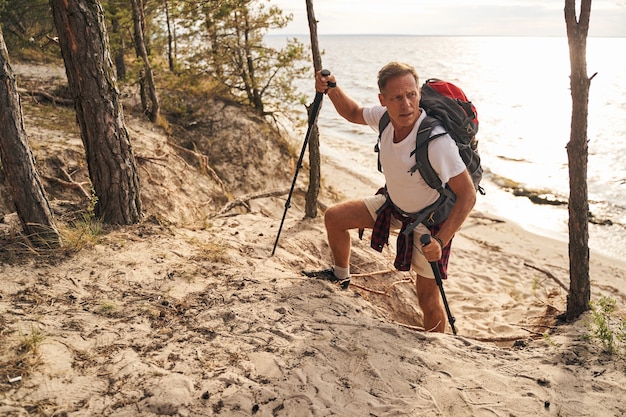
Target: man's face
{"points": [[401, 97]]}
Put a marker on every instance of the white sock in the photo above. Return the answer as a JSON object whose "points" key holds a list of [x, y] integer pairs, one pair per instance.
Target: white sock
{"points": [[341, 273]]}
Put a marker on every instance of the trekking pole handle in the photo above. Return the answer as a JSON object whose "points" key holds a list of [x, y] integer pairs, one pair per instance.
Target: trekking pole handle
{"points": [[326, 73], [425, 239]]}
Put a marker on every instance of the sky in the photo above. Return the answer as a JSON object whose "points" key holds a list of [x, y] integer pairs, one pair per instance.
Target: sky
{"points": [[449, 17]]}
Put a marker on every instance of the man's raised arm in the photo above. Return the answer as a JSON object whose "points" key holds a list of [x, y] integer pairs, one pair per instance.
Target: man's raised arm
{"points": [[344, 104]]}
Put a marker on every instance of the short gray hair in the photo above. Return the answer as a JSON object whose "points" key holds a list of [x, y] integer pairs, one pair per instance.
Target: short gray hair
{"points": [[395, 69]]}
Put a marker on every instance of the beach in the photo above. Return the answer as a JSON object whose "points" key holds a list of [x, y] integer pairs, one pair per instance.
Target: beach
{"points": [[188, 314], [524, 113]]}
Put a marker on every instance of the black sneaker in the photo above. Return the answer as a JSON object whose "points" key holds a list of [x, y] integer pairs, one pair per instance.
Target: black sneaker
{"points": [[344, 283], [328, 275]]}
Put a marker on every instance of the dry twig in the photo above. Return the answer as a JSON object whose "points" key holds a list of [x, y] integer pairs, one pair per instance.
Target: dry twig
{"points": [[203, 160], [371, 274], [244, 200], [69, 183], [47, 96], [548, 274]]}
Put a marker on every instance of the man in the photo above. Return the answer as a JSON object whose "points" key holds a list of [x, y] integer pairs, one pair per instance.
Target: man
{"points": [[406, 193]]}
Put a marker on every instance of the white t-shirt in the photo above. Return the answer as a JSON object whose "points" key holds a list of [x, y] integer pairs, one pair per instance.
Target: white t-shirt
{"points": [[410, 192]]}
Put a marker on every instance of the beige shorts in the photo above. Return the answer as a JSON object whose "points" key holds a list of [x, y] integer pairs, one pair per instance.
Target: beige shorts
{"points": [[419, 264]]}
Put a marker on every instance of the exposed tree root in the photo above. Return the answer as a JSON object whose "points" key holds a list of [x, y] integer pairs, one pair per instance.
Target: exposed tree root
{"points": [[203, 160], [69, 183], [47, 96], [244, 200]]}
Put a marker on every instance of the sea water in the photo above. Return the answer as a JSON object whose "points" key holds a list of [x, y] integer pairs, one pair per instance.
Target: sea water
{"points": [[520, 86]]}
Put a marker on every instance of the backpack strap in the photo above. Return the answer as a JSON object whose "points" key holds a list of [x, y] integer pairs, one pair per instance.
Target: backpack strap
{"points": [[439, 210], [430, 215], [382, 124], [422, 163]]}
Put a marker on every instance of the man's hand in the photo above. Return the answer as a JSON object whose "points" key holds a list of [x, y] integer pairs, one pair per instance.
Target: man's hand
{"points": [[431, 250], [324, 82]]}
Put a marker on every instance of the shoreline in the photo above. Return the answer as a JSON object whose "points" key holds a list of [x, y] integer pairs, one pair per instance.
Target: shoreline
{"points": [[550, 222]]}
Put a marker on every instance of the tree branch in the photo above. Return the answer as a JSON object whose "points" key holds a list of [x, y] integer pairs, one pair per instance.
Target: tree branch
{"points": [[47, 96], [548, 274], [70, 183]]}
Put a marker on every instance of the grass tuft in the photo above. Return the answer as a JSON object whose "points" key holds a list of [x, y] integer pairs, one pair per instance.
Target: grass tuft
{"points": [[606, 327]]}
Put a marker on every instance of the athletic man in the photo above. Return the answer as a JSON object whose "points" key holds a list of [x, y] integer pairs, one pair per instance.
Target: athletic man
{"points": [[406, 192]]}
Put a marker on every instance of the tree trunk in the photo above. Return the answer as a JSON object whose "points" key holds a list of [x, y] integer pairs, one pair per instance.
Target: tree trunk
{"points": [[18, 162], [314, 141], [85, 49], [577, 151], [120, 61], [170, 37], [256, 97], [147, 80], [215, 43]]}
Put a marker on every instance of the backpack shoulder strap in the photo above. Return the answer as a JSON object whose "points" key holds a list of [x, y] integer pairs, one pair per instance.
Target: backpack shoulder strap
{"points": [[422, 163], [382, 124]]}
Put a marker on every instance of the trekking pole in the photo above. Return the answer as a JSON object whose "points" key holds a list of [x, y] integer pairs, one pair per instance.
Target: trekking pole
{"points": [[425, 239], [315, 108]]}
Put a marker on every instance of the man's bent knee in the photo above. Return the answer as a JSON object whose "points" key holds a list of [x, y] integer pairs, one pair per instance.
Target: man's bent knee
{"points": [[348, 215]]}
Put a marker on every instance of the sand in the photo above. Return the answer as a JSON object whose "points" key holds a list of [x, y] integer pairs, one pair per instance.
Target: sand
{"points": [[201, 320]]}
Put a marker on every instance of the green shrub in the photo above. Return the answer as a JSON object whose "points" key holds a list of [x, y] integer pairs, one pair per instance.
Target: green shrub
{"points": [[606, 327]]}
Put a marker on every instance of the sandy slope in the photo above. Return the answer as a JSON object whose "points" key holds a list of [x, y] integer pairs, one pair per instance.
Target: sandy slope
{"points": [[195, 318]]}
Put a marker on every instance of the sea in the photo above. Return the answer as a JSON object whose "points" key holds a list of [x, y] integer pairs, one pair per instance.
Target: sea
{"points": [[520, 87]]}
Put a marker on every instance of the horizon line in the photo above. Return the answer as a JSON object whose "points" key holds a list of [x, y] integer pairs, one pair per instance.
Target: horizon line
{"points": [[441, 36]]}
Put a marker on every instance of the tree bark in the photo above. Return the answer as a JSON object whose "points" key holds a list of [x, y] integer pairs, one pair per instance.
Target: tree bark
{"points": [[147, 79], [120, 61], [577, 151], [18, 162], [85, 48], [255, 93], [314, 141], [170, 37]]}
